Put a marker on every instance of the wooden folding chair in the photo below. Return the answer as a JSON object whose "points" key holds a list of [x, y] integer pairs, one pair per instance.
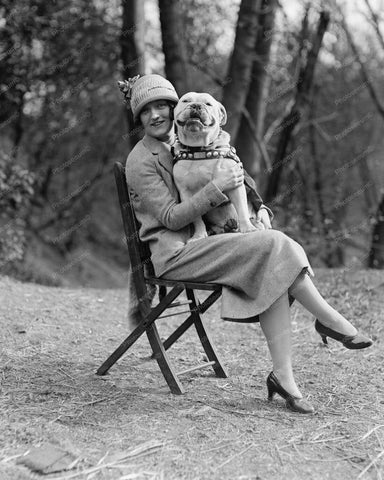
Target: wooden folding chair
{"points": [[139, 256]]}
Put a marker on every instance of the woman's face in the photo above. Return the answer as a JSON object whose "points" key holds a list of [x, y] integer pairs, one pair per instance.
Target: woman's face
{"points": [[156, 119]]}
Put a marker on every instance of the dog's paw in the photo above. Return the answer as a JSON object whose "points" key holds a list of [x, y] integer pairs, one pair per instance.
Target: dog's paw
{"points": [[249, 227], [231, 225]]}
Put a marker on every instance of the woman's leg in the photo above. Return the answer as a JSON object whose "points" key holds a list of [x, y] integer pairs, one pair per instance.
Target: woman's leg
{"points": [[305, 292], [276, 325]]}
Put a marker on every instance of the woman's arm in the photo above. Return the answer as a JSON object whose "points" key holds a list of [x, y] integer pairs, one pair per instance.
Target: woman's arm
{"points": [[153, 191], [254, 197]]}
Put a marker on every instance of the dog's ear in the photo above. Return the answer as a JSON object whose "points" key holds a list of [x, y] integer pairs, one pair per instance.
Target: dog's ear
{"points": [[223, 114]]}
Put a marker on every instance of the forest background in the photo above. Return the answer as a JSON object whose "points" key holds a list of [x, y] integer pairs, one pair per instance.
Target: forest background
{"points": [[302, 84]]}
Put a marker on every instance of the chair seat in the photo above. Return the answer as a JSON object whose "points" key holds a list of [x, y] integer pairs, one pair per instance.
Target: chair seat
{"points": [[186, 284]]}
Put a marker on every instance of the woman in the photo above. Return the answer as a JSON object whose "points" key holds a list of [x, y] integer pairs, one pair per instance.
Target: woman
{"points": [[258, 270]]}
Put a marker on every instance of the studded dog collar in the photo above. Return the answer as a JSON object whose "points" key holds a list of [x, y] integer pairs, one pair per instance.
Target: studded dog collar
{"points": [[199, 153]]}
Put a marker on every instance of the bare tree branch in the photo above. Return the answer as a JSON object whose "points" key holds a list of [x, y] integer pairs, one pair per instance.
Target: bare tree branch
{"points": [[303, 88], [375, 22], [364, 72], [207, 71], [258, 141], [278, 121], [316, 121]]}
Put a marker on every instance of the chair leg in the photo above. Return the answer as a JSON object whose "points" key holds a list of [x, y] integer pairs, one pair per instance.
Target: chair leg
{"points": [[119, 352], [190, 320], [139, 330], [162, 292], [178, 332], [163, 361], [204, 337]]}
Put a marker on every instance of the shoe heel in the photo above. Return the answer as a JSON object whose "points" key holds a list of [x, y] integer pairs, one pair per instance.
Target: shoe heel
{"points": [[324, 339], [271, 392]]}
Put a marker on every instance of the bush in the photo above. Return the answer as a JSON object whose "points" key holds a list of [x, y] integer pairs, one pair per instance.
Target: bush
{"points": [[16, 191]]}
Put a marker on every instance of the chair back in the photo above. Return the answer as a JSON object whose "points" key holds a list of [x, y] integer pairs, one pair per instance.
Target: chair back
{"points": [[139, 253]]}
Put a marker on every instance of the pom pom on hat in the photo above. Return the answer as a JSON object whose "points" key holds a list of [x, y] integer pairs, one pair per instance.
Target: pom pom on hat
{"points": [[138, 91]]}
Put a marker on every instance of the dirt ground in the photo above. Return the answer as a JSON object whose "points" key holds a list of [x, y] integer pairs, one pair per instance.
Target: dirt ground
{"points": [[127, 425]]}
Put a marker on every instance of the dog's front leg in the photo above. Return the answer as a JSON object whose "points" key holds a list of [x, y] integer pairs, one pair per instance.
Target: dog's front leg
{"points": [[189, 179], [238, 197], [200, 230]]}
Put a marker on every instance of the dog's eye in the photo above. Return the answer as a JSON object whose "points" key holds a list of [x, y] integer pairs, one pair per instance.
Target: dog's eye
{"points": [[209, 104], [185, 101]]}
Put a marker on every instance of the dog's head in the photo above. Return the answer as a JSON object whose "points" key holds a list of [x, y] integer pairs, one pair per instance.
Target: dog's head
{"points": [[198, 117]]}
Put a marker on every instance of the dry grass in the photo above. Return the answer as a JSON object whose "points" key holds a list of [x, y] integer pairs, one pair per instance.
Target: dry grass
{"points": [[127, 425]]}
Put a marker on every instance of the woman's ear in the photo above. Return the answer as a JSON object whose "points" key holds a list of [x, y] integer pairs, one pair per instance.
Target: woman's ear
{"points": [[223, 114]]}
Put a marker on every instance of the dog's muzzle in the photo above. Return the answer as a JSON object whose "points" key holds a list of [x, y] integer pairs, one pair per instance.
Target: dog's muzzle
{"points": [[195, 111]]}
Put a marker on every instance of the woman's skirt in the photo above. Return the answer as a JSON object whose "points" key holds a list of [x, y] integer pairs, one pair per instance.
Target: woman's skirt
{"points": [[254, 268]]}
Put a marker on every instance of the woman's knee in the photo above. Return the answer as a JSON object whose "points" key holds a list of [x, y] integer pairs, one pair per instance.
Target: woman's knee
{"points": [[269, 239], [277, 236]]}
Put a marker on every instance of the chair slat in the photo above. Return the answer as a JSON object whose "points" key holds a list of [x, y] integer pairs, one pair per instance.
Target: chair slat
{"points": [[174, 314], [186, 284], [179, 304]]}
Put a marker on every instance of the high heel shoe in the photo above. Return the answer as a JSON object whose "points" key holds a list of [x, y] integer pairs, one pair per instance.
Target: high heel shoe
{"points": [[293, 403], [352, 342]]}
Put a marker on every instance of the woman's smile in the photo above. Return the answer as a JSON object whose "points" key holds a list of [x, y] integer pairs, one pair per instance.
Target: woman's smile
{"points": [[157, 123]]}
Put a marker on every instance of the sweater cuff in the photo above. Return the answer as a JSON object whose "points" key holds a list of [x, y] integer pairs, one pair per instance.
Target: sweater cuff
{"points": [[215, 196]]}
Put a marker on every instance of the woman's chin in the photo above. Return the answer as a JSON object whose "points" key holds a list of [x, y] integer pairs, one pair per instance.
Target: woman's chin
{"points": [[160, 132]]}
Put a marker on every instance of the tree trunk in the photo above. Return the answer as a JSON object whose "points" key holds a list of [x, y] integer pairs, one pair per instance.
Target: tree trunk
{"points": [[132, 52], [319, 214], [175, 53], [18, 125], [376, 254], [240, 67], [367, 177], [289, 122], [331, 251], [248, 147]]}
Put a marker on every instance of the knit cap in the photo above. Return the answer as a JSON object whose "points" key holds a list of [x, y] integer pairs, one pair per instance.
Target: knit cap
{"points": [[141, 90]]}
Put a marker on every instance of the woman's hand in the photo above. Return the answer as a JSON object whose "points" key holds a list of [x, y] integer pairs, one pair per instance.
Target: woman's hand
{"points": [[262, 216], [228, 176]]}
